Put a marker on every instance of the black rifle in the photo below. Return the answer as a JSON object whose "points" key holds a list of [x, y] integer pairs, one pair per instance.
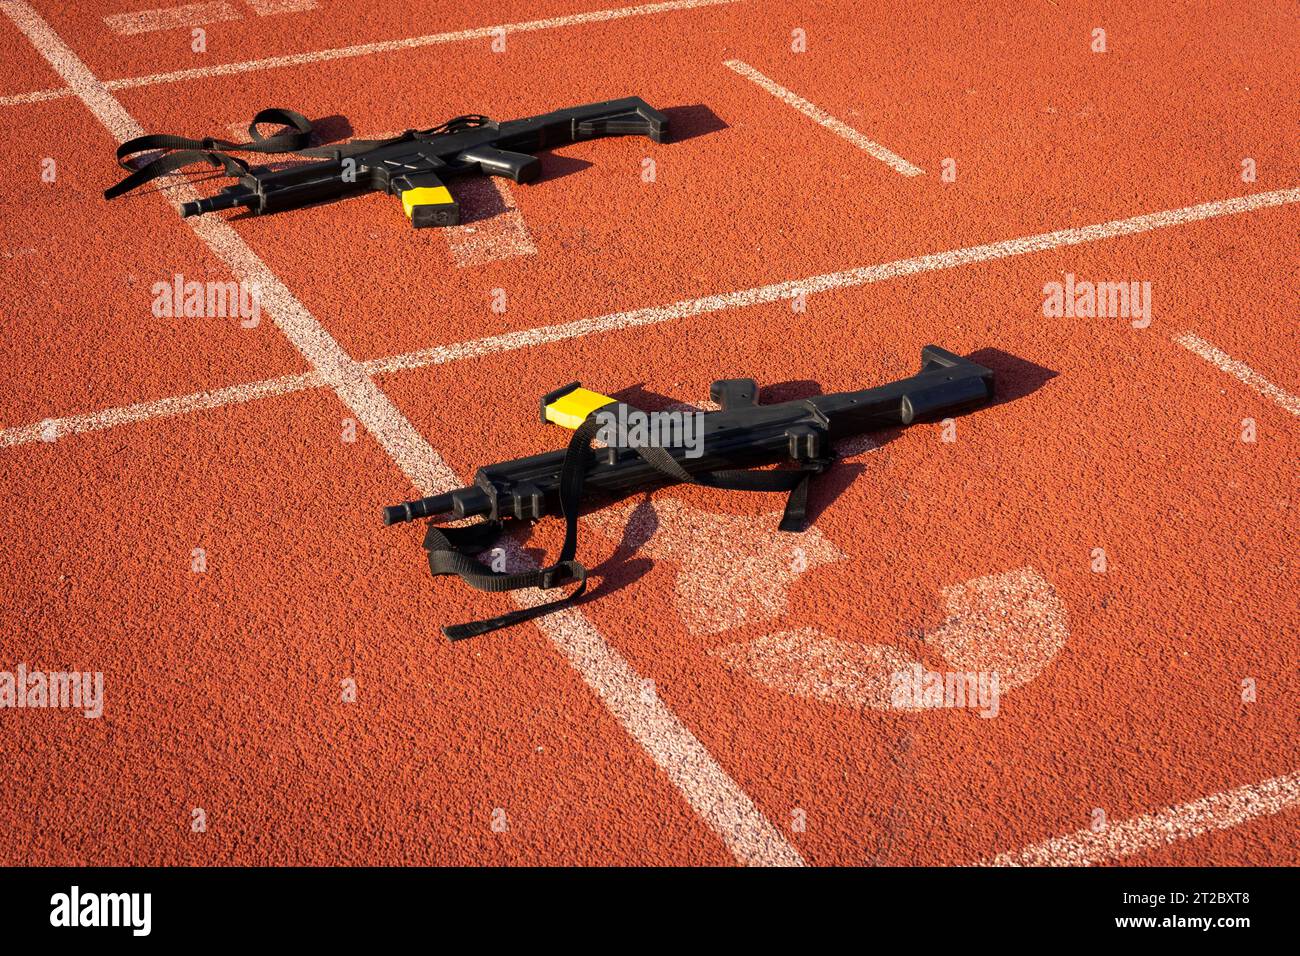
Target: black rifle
{"points": [[742, 434], [412, 166]]}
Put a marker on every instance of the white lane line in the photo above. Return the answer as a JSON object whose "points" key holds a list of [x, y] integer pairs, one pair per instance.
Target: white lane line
{"points": [[720, 802], [81, 82], [409, 43], [365, 49], [170, 18], [775, 292], [55, 428], [825, 120], [266, 8], [747, 297], [1240, 371], [1154, 830], [36, 96]]}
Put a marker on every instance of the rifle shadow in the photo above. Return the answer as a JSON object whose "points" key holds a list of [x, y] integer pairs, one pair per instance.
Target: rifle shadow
{"points": [[557, 166], [1014, 378], [331, 129], [688, 122]]}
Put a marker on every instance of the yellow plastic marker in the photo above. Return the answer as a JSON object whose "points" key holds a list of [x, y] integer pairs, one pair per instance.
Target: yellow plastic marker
{"points": [[572, 408], [425, 196], [430, 206]]}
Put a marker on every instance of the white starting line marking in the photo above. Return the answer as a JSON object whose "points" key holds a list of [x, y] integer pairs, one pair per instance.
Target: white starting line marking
{"points": [[36, 96], [170, 18], [1240, 371], [266, 8], [826, 120], [702, 782], [196, 14], [365, 49], [1154, 830], [744, 298]]}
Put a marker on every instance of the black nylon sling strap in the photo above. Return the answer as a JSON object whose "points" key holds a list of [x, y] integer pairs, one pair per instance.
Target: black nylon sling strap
{"points": [[180, 151], [740, 479], [445, 556], [450, 548]]}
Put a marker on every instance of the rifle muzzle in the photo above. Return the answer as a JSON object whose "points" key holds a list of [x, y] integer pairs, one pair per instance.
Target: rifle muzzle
{"points": [[222, 200]]}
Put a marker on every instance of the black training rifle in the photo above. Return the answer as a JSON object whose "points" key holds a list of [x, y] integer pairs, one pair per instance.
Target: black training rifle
{"points": [[412, 166], [736, 438]]}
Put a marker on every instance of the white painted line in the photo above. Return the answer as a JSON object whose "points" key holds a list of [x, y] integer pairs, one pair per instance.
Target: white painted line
{"points": [[81, 82], [170, 18], [1012, 624], [719, 800], [763, 564], [702, 782], [747, 297], [162, 408], [36, 96], [1240, 371], [365, 49], [825, 120], [410, 43], [495, 229], [266, 8], [761, 295], [1154, 830]]}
